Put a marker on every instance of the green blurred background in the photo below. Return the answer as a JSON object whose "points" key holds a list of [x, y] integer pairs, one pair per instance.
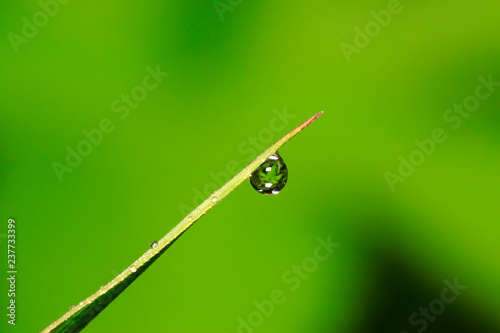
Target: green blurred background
{"points": [[226, 78]]}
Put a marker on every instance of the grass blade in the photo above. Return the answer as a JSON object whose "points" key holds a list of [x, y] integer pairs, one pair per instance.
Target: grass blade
{"points": [[82, 314]]}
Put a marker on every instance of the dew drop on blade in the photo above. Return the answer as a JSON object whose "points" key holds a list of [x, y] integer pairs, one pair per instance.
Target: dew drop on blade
{"points": [[133, 269], [153, 244], [271, 176]]}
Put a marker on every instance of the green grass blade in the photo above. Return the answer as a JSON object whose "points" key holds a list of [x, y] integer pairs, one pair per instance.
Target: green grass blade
{"points": [[82, 314]]}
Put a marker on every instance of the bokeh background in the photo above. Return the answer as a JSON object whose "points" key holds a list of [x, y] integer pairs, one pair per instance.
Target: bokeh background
{"points": [[226, 77]]}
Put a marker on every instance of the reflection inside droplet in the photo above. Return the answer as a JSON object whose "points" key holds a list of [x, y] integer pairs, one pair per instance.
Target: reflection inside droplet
{"points": [[271, 176]]}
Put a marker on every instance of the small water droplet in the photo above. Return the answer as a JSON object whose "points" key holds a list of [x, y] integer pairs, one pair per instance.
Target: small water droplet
{"points": [[271, 176], [72, 307], [214, 199], [153, 244], [133, 269], [80, 304]]}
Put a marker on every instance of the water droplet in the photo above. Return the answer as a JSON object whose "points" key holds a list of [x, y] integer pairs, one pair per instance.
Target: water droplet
{"points": [[214, 199], [153, 244], [72, 307], [80, 304], [271, 176], [133, 269]]}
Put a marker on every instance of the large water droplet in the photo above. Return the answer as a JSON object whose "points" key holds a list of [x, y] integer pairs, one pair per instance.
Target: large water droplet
{"points": [[271, 176], [153, 244], [133, 269]]}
